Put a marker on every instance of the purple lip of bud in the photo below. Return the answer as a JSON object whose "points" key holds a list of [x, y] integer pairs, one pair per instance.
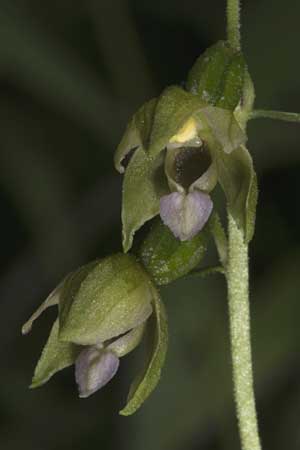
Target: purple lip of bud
{"points": [[185, 214], [94, 368]]}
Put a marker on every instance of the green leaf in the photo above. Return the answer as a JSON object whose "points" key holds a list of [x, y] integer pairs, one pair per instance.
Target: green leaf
{"points": [[223, 126], [144, 184], [174, 107], [167, 258], [238, 180], [56, 355], [112, 299], [137, 133], [206, 76], [147, 381]]}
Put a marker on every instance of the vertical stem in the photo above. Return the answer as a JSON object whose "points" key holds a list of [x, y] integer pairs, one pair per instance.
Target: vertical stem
{"points": [[233, 23], [238, 297]]}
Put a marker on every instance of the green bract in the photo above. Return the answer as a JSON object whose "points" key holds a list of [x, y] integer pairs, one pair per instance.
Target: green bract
{"points": [[218, 76], [104, 309], [166, 258]]}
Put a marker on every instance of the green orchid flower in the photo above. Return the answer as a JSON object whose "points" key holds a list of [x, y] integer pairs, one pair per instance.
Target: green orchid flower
{"points": [[104, 310]]}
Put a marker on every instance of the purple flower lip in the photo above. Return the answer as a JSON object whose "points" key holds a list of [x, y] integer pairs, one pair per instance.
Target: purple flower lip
{"points": [[94, 368], [185, 214]]}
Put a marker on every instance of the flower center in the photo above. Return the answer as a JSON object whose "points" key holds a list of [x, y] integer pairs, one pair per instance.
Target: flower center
{"points": [[190, 164]]}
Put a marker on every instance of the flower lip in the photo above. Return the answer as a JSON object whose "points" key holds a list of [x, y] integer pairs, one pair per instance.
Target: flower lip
{"points": [[185, 214], [190, 164], [94, 368]]}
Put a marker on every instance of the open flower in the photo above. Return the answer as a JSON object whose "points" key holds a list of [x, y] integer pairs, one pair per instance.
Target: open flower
{"points": [[181, 145], [178, 146], [104, 311]]}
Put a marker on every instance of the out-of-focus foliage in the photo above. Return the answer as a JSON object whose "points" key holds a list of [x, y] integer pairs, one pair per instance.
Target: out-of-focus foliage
{"points": [[72, 73]]}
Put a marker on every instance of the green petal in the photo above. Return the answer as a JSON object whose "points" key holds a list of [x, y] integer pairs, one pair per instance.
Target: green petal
{"points": [[56, 356], [238, 180], [175, 106], [112, 299], [137, 132], [144, 184], [223, 126], [128, 342], [144, 384]]}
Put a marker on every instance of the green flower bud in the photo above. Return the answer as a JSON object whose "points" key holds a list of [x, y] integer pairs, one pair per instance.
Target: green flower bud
{"points": [[104, 309], [166, 258]]}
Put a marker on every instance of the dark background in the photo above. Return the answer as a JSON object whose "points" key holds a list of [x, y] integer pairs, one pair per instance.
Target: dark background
{"points": [[71, 74]]}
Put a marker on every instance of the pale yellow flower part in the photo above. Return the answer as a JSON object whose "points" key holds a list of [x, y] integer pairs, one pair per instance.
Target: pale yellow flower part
{"points": [[187, 132]]}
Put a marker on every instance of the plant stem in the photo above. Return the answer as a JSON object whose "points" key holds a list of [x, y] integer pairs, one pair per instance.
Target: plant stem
{"points": [[238, 298], [276, 115], [233, 23], [211, 270]]}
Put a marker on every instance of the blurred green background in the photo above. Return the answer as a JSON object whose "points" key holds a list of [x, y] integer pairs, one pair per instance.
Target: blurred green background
{"points": [[71, 74]]}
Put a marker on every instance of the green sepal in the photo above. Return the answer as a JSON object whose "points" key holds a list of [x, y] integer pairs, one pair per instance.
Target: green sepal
{"points": [[206, 76], [113, 298], [70, 288], [238, 180], [174, 107], [146, 382], [51, 300], [232, 83], [56, 356], [144, 183], [167, 258], [136, 134]]}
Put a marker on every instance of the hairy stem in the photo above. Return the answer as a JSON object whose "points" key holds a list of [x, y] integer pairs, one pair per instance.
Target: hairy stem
{"points": [[233, 23], [276, 115], [238, 298]]}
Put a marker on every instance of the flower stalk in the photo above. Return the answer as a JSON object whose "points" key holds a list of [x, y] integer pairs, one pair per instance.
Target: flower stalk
{"points": [[275, 115], [237, 275], [233, 23], [238, 297]]}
